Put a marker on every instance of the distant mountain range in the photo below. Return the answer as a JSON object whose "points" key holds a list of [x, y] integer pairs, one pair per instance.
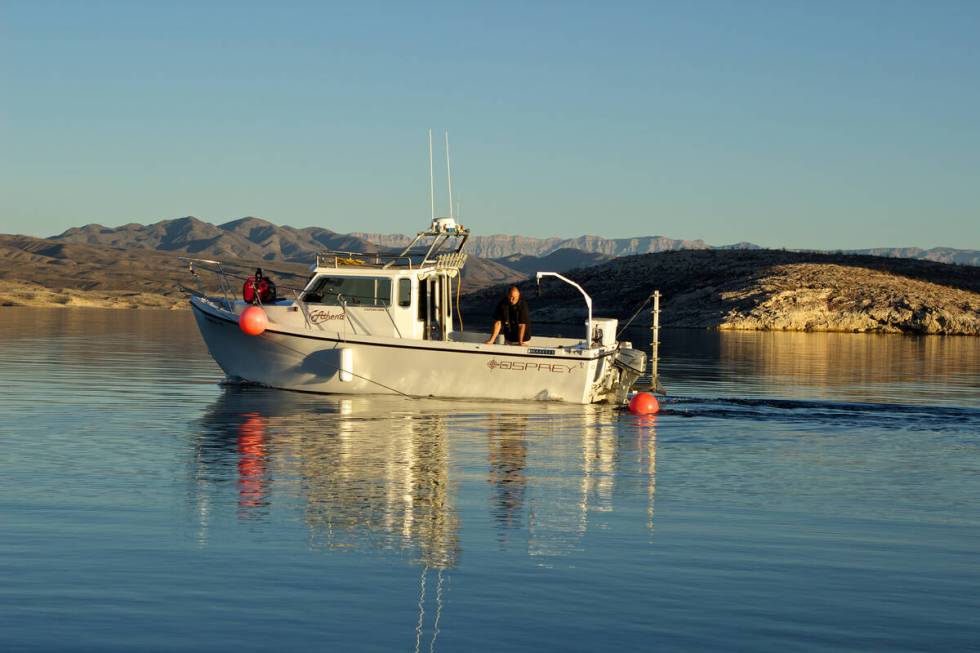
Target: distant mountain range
{"points": [[500, 246], [937, 254], [494, 259]]}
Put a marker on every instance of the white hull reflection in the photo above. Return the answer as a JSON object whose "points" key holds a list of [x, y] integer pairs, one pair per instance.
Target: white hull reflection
{"points": [[376, 472]]}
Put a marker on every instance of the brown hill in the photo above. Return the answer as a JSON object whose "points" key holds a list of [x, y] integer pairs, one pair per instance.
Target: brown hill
{"points": [[39, 272], [767, 289], [479, 273], [246, 238]]}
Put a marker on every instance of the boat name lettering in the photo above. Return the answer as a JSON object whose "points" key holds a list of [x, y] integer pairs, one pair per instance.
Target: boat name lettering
{"points": [[316, 317], [524, 366]]}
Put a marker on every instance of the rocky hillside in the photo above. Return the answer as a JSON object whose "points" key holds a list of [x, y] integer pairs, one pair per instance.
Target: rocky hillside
{"points": [[247, 238], [39, 272], [767, 289], [832, 297]]}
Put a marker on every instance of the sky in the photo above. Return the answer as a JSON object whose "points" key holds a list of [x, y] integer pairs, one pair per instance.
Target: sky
{"points": [[828, 125]]}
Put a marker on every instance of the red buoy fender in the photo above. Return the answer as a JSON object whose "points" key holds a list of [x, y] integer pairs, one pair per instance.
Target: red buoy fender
{"points": [[253, 320], [644, 403]]}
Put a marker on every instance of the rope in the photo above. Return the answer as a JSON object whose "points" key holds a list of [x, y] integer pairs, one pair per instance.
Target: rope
{"points": [[459, 285], [630, 321]]}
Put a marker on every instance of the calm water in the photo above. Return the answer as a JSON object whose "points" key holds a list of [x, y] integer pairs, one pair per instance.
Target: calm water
{"points": [[797, 492]]}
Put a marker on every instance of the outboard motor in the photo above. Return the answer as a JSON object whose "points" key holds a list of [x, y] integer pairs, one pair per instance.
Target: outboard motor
{"points": [[631, 364]]}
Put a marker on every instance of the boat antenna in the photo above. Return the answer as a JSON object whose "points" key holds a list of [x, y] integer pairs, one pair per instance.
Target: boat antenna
{"points": [[449, 176], [432, 183]]}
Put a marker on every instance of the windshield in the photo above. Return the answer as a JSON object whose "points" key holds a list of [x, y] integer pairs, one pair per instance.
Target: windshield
{"points": [[352, 291]]}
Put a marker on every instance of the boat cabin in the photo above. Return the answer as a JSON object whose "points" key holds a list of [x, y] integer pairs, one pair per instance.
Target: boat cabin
{"points": [[371, 300], [400, 296]]}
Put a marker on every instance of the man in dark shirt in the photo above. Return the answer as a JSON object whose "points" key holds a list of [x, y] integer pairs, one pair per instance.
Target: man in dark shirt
{"points": [[510, 317]]}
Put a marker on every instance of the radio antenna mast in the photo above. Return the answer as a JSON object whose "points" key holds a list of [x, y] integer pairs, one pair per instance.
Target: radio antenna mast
{"points": [[449, 177], [432, 183]]}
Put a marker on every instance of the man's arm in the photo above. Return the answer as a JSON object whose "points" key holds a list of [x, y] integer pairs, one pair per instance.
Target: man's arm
{"points": [[522, 322], [496, 332]]}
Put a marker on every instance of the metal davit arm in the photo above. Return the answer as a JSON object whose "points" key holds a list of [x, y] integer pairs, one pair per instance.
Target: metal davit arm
{"points": [[588, 301]]}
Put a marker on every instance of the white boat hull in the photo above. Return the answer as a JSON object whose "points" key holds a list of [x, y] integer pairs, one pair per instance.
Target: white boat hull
{"points": [[299, 359]]}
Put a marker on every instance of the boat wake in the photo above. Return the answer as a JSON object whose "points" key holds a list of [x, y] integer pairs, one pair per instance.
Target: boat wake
{"points": [[905, 416]]}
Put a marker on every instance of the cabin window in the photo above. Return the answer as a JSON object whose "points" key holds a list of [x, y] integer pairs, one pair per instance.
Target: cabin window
{"points": [[352, 291], [404, 292]]}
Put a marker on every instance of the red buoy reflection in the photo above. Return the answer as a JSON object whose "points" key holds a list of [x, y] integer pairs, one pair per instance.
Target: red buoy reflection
{"points": [[251, 461]]}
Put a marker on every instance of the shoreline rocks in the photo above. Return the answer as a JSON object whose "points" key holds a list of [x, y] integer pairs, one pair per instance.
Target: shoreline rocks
{"points": [[33, 295]]}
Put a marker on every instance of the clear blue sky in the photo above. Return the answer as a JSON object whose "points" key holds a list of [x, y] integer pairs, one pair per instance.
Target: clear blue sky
{"points": [[799, 124]]}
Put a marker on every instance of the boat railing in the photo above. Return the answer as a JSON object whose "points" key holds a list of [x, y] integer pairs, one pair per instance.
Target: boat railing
{"points": [[337, 258], [226, 275]]}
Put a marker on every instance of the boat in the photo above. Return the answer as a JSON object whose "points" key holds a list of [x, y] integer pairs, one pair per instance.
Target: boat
{"points": [[384, 324], [375, 323]]}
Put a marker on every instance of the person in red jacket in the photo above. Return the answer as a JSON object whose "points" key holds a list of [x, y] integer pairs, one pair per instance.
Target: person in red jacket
{"points": [[259, 289]]}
